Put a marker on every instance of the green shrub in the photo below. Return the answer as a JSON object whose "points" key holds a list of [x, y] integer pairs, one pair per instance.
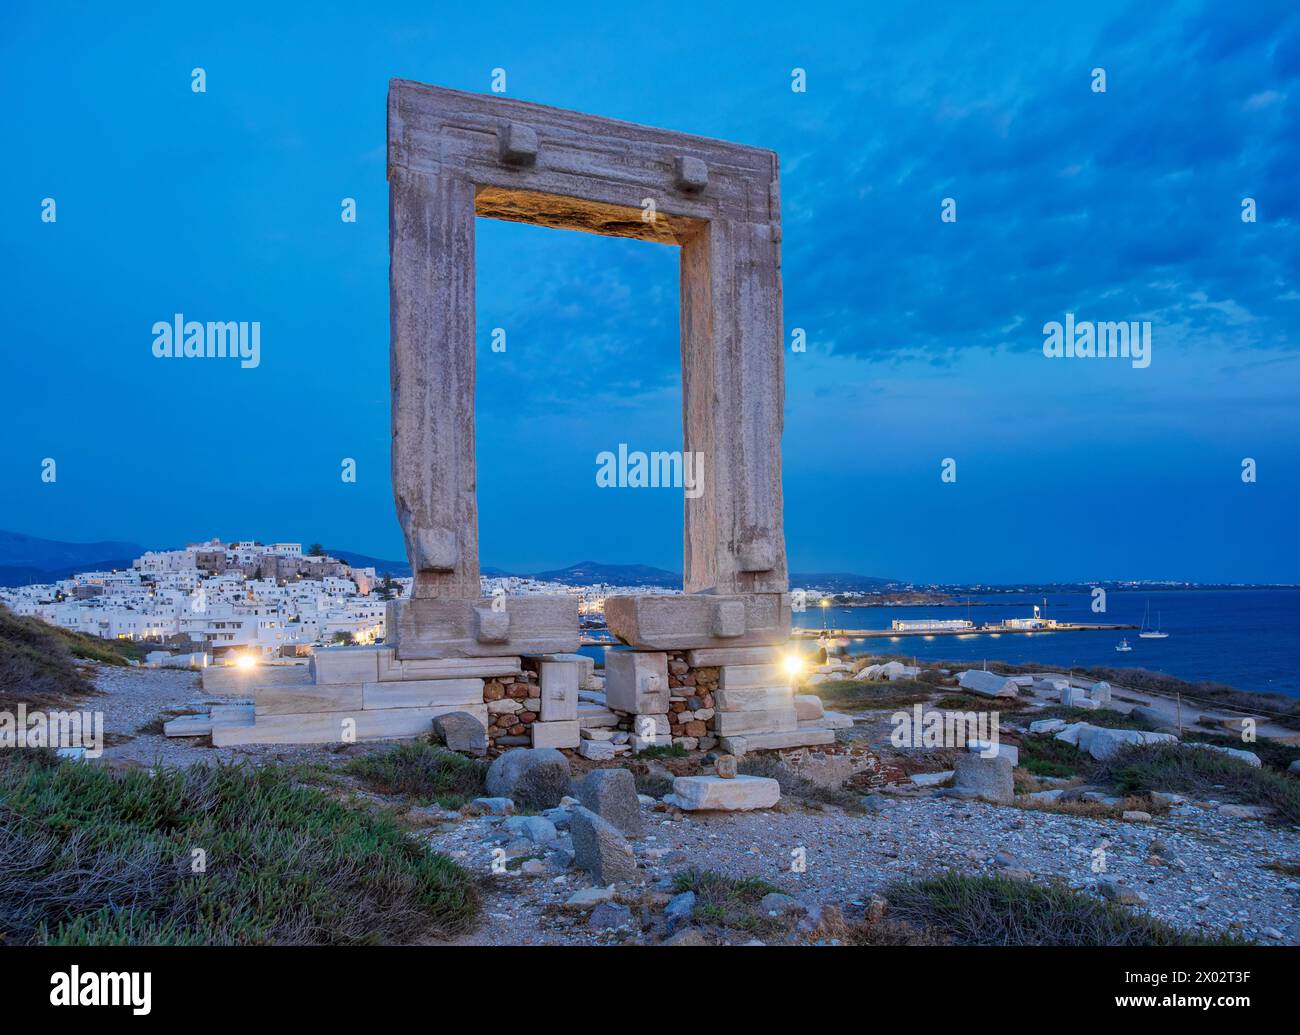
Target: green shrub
{"points": [[91, 857], [1002, 911], [422, 771]]}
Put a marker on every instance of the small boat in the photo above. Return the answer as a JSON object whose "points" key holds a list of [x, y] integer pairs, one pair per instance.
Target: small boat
{"points": [[1123, 646], [1151, 634]]}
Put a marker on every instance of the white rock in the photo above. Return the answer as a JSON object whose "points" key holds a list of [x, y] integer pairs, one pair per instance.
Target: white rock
{"points": [[738, 794]]}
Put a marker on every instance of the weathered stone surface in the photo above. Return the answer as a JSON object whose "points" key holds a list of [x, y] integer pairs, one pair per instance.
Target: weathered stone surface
{"points": [[738, 677], [611, 794], [808, 706], [345, 664], [1047, 725], [232, 681], [1240, 754], [567, 734], [783, 720], [636, 681], [1102, 742], [739, 794], [588, 898], [991, 749], [600, 848], [461, 731], [422, 628], [423, 693], [987, 684], [490, 807], [989, 779], [537, 829], [688, 621], [392, 668], [294, 700], [755, 699], [559, 690], [725, 766], [610, 914], [744, 742], [597, 750], [535, 778], [333, 727], [708, 657]]}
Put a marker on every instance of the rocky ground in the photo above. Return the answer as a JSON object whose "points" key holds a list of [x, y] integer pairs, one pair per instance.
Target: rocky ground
{"points": [[1192, 865]]}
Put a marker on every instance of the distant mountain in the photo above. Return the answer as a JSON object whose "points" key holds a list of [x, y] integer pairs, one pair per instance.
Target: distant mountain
{"points": [[398, 569], [26, 559], [585, 572]]}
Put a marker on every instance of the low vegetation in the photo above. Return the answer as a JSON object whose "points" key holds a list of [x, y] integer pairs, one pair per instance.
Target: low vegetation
{"points": [[1207, 774], [859, 695], [38, 662], [731, 902], [1001, 911], [210, 855], [423, 772]]}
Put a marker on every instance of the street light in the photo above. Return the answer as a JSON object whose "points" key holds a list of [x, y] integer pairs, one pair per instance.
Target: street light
{"points": [[825, 604]]}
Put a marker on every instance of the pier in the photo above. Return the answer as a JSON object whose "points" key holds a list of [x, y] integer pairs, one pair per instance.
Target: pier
{"points": [[984, 630]]}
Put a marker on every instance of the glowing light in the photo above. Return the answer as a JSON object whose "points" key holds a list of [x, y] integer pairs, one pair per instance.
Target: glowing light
{"points": [[793, 665], [246, 661]]}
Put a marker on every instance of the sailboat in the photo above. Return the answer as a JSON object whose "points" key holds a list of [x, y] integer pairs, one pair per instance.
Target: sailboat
{"points": [[1151, 634], [1123, 646]]}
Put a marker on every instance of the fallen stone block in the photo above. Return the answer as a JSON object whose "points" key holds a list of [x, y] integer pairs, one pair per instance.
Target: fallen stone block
{"points": [[745, 742], [461, 731], [1102, 742], [597, 750], [1047, 726], [188, 726], [1249, 757], [988, 779], [611, 794], [987, 684], [714, 793], [989, 749], [600, 848], [808, 706]]}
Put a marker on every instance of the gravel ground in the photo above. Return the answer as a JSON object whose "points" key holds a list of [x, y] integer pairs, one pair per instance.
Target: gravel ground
{"points": [[1221, 886], [1212, 876]]}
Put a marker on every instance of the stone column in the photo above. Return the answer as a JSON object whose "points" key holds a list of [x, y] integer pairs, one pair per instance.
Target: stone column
{"points": [[431, 250]]}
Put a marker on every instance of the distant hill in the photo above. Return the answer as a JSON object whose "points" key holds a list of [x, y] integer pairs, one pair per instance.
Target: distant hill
{"points": [[839, 581], [27, 559], [585, 572]]}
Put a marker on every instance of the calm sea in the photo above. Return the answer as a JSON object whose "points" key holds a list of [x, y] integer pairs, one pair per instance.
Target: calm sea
{"points": [[1249, 639]]}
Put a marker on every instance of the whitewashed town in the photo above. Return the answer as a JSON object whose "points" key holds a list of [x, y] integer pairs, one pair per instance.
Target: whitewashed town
{"points": [[212, 601]]}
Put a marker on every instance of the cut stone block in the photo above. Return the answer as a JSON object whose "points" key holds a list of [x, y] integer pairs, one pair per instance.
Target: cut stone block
{"points": [[808, 706], [739, 745], [594, 716], [640, 744], [291, 700], [335, 727], [596, 750], [345, 665], [556, 734], [231, 681], [559, 690], [426, 627], [491, 625], [782, 720], [737, 794], [985, 748], [586, 668], [390, 668], [688, 621], [828, 721], [188, 726], [987, 684], [708, 657], [422, 693], [740, 677], [636, 681], [750, 699], [651, 725]]}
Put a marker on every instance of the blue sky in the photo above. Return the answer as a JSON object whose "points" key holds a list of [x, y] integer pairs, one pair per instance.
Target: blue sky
{"points": [[924, 337]]}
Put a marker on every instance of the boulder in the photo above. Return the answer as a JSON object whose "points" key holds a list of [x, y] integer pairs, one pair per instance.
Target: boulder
{"points": [[588, 898], [1100, 692], [1047, 726], [987, 684], [1249, 757], [1148, 715], [1294, 767], [610, 914], [992, 749], [537, 829], [535, 778], [1102, 742], [461, 731], [776, 903], [988, 779], [600, 849], [611, 794], [681, 906], [490, 807]]}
